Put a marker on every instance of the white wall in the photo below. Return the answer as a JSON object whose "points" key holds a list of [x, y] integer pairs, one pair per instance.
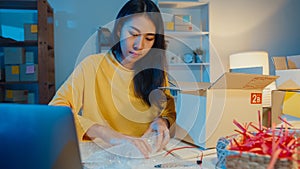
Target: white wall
{"points": [[75, 22], [235, 26], [244, 25]]}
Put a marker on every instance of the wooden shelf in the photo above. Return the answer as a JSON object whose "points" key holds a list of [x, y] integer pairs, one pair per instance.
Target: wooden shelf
{"points": [[23, 82], [18, 43], [176, 4], [182, 34], [18, 4], [45, 48], [188, 64]]}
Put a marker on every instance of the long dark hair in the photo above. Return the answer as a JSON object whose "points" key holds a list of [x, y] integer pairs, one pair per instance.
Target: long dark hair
{"points": [[150, 70]]}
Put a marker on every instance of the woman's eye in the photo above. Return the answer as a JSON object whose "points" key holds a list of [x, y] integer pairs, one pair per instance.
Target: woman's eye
{"points": [[149, 39], [133, 34]]}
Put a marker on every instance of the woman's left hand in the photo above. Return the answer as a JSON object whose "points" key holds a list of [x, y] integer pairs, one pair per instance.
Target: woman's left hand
{"points": [[160, 127]]}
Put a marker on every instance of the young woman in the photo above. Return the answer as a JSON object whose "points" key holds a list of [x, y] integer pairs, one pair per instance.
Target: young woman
{"points": [[115, 96]]}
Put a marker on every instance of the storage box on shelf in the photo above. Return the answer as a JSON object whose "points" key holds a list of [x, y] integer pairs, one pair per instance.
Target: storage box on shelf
{"points": [[12, 73], [17, 96], [28, 72], [34, 56], [30, 31], [14, 55]]}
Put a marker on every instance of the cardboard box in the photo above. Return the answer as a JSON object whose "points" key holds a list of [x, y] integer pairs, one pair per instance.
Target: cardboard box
{"points": [[285, 103], [14, 55], [28, 72], [12, 73], [31, 98], [293, 61], [183, 19], [288, 70], [169, 26], [19, 96], [29, 57], [183, 28], [205, 111], [288, 79], [30, 32]]}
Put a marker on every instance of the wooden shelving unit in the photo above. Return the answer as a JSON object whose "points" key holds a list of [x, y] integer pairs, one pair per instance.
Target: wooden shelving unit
{"points": [[44, 45]]}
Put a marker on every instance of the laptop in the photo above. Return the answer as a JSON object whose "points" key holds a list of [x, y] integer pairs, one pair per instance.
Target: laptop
{"points": [[38, 137]]}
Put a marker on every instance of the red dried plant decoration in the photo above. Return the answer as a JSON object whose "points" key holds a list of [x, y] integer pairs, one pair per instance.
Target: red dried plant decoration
{"points": [[278, 143]]}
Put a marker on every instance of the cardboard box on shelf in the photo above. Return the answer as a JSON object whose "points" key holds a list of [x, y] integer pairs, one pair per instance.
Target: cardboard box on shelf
{"points": [[29, 57], [12, 73], [285, 102], [169, 26], [14, 55], [18, 96], [28, 72], [288, 70], [183, 19], [30, 31], [205, 111], [183, 28], [31, 98]]}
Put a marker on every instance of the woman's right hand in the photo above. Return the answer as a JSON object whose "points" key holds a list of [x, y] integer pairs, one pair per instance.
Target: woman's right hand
{"points": [[115, 138]]}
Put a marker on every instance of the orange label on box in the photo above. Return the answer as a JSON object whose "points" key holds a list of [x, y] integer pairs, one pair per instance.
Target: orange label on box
{"points": [[15, 70], [33, 28], [9, 94], [256, 98]]}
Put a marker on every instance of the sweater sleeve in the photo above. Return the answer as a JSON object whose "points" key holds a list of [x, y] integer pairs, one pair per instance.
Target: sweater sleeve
{"points": [[71, 94], [169, 111]]}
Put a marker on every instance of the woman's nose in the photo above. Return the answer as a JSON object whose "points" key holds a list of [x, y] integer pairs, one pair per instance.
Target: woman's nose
{"points": [[138, 43]]}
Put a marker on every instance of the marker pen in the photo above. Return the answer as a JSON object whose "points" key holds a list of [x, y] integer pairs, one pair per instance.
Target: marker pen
{"points": [[178, 164]]}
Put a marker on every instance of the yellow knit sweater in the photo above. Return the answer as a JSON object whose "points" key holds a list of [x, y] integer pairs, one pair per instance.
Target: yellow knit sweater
{"points": [[100, 90]]}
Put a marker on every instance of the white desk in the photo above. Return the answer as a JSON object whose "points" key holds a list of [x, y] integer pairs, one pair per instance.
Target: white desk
{"points": [[95, 157]]}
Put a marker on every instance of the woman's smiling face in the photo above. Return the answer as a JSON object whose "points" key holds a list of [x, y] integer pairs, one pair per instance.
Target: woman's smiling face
{"points": [[137, 37]]}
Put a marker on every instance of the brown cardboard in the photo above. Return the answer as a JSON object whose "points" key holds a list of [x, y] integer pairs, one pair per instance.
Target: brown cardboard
{"points": [[242, 81], [279, 107], [280, 62], [277, 101], [288, 80], [206, 114], [287, 67]]}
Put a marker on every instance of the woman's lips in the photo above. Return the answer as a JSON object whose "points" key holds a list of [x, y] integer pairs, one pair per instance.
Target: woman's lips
{"points": [[135, 54]]}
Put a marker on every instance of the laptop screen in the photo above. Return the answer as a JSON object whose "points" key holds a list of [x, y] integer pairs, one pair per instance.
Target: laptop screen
{"points": [[38, 136]]}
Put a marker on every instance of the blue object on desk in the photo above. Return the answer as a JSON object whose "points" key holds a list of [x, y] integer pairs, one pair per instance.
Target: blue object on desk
{"points": [[38, 136]]}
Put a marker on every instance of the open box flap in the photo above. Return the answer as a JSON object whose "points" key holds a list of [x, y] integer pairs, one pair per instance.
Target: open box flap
{"points": [[242, 81], [188, 86], [289, 79]]}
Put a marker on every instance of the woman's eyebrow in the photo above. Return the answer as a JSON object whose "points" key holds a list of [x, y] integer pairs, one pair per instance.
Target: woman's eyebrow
{"points": [[136, 29]]}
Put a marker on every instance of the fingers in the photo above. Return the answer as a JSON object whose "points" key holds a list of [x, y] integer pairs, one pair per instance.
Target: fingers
{"points": [[143, 146], [162, 139], [166, 139], [163, 135]]}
